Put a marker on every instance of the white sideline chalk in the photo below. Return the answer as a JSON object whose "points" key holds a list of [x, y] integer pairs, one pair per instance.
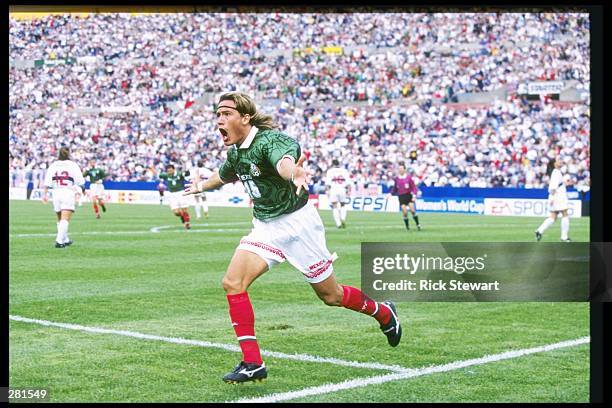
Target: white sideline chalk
{"points": [[199, 343], [411, 373]]}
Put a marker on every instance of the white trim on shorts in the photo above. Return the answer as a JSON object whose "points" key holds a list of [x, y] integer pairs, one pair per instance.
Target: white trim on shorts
{"points": [[277, 241]]}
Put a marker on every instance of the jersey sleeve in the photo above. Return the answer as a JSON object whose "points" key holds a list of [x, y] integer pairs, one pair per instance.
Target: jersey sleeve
{"points": [[163, 176], [413, 187], [347, 177], [279, 147], [78, 175], [555, 180], [49, 175], [328, 178], [227, 173], [394, 188]]}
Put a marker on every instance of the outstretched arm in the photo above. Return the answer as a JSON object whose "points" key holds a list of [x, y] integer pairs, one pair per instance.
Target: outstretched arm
{"points": [[294, 172], [198, 186]]}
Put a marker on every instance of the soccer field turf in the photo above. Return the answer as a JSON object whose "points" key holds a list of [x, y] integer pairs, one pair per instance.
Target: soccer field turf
{"points": [[134, 311]]}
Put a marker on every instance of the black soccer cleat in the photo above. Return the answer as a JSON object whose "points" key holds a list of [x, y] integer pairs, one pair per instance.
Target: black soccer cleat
{"points": [[566, 240], [58, 245], [68, 243], [245, 372], [538, 236], [393, 329], [418, 227]]}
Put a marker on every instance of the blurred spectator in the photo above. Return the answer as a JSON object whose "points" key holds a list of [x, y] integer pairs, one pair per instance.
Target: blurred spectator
{"points": [[387, 94]]}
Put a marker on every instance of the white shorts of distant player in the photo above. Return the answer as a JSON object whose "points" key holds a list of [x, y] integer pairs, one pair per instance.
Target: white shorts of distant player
{"points": [[177, 200], [298, 237], [96, 190], [200, 197], [559, 202], [337, 195], [63, 199]]}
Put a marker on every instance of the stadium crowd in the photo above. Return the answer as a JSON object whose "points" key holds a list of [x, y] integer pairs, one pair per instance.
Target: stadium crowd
{"points": [[370, 106]]}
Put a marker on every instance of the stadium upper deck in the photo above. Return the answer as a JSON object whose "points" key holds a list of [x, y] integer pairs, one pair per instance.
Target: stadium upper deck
{"points": [[150, 61]]}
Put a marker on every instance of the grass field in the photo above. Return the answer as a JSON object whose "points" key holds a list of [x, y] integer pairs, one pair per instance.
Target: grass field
{"points": [[136, 272]]}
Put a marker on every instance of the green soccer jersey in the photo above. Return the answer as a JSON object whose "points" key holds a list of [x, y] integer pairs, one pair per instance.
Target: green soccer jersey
{"points": [[95, 174], [255, 166], [176, 182]]}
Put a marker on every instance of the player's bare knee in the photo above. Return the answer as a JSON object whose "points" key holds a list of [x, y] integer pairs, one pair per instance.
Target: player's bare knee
{"points": [[331, 300], [232, 286]]}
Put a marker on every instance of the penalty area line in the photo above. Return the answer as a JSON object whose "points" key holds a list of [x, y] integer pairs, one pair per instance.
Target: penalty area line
{"points": [[199, 343], [410, 373]]}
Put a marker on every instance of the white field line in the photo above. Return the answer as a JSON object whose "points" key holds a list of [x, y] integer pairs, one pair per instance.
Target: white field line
{"points": [[411, 373], [205, 229], [215, 224], [228, 347], [179, 230]]}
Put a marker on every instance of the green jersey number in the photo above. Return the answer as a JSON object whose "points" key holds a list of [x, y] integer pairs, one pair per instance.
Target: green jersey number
{"points": [[251, 189]]}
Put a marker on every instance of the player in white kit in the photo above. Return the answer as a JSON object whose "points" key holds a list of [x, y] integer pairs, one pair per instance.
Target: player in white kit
{"points": [[557, 201], [338, 185], [66, 179], [200, 173]]}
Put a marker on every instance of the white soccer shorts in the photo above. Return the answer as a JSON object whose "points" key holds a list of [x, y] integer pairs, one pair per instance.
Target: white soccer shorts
{"points": [[63, 199], [337, 196], [96, 190], [559, 202], [177, 200], [298, 237]]}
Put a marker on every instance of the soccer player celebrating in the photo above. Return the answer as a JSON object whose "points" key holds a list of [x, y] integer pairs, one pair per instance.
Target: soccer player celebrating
{"points": [[202, 173], [65, 177], [176, 184], [285, 227], [338, 183], [557, 201], [406, 191], [96, 186]]}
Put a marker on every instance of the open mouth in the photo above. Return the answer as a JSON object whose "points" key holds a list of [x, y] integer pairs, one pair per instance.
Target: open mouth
{"points": [[223, 132]]}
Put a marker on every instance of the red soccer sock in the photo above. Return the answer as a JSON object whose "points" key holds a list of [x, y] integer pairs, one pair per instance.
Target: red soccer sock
{"points": [[95, 206], [185, 216], [355, 299], [243, 320]]}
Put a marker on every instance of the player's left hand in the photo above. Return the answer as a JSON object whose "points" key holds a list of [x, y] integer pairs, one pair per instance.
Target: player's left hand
{"points": [[301, 176]]}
